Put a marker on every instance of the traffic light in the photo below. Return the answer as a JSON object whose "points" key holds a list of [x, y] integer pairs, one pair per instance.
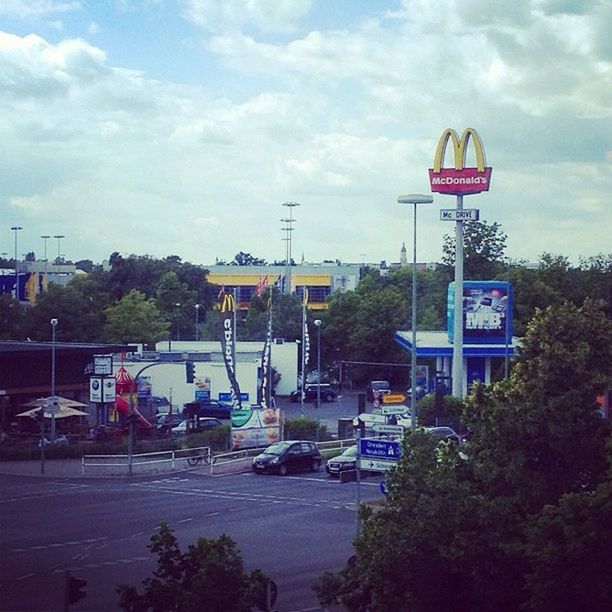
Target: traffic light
{"points": [[75, 589], [190, 371]]}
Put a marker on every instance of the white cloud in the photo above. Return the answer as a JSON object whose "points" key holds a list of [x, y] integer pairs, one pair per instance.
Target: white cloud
{"points": [[33, 8], [265, 15]]}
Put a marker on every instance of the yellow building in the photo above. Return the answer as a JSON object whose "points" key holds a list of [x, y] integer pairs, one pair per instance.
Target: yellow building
{"points": [[319, 279]]}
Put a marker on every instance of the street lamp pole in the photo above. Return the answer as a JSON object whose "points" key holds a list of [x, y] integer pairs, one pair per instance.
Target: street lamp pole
{"points": [[59, 238], [16, 228], [414, 199], [317, 323], [197, 321], [289, 229], [54, 323]]}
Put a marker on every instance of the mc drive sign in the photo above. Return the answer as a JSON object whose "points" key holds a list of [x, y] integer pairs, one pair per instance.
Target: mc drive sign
{"points": [[384, 450]]}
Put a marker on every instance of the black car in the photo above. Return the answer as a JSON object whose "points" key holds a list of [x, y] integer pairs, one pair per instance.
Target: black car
{"points": [[289, 456], [208, 408], [347, 460], [310, 393], [445, 434], [377, 388], [165, 422]]}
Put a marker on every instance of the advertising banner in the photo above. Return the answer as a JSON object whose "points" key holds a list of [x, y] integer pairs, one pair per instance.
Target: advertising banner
{"points": [[95, 389], [228, 344], [487, 312], [255, 428]]}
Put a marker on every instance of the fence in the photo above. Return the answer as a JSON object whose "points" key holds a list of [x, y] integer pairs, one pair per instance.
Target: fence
{"points": [[147, 463]]}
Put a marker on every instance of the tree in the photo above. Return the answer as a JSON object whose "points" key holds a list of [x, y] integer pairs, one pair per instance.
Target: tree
{"points": [[483, 250], [208, 576], [488, 526], [176, 303], [134, 319], [11, 316], [246, 259]]}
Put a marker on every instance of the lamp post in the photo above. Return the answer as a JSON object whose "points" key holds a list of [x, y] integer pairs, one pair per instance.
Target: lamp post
{"points": [[317, 323], [414, 199], [54, 323], [16, 228], [288, 229], [59, 239], [197, 321]]}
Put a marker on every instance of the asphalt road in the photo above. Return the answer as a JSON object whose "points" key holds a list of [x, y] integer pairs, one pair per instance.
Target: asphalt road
{"points": [[293, 528]]}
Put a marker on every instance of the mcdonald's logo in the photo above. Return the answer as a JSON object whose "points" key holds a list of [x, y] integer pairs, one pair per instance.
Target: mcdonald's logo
{"points": [[460, 180], [227, 303]]}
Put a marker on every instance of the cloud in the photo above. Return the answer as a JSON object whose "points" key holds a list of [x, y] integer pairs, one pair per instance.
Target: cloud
{"points": [[265, 15], [32, 8]]}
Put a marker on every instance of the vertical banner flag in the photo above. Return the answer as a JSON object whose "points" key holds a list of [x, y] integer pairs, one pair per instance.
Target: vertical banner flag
{"points": [[266, 366], [306, 337], [228, 344]]}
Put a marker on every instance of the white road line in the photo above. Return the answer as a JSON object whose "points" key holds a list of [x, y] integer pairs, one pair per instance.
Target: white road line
{"points": [[186, 520], [24, 577]]}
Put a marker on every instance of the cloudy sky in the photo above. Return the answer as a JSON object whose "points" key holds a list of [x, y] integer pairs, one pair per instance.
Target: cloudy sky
{"points": [[180, 127]]}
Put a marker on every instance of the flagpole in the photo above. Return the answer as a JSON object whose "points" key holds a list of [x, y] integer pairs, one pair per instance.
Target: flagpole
{"points": [[303, 349]]}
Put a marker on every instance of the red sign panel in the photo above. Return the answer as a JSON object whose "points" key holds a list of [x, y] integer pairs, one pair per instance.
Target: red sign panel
{"points": [[460, 182]]}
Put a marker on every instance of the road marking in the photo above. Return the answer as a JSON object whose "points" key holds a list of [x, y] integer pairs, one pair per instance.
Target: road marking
{"points": [[24, 577], [186, 520]]}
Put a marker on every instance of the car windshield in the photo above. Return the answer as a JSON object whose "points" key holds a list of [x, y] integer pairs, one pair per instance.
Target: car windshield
{"points": [[351, 451], [380, 384], [275, 449]]}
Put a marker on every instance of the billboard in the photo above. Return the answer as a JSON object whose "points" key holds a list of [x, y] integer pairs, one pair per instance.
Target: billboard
{"points": [[487, 312], [255, 427]]}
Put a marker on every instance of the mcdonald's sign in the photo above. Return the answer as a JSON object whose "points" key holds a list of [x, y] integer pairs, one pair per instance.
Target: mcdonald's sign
{"points": [[460, 180]]}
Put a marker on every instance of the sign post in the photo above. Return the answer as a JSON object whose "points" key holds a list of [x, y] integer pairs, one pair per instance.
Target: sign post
{"points": [[459, 181]]}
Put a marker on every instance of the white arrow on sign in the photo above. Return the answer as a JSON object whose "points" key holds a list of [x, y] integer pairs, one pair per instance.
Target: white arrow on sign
{"points": [[465, 214], [394, 410]]}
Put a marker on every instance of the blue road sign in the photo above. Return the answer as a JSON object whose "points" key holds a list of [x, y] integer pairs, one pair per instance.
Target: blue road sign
{"points": [[387, 450]]}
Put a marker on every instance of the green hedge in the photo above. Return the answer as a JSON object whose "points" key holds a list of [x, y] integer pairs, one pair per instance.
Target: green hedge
{"points": [[306, 429]]}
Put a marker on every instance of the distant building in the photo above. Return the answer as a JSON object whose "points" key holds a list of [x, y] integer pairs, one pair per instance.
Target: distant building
{"points": [[320, 280], [34, 276]]}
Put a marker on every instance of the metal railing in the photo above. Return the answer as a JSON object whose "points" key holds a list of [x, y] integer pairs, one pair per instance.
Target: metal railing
{"points": [[149, 462]]}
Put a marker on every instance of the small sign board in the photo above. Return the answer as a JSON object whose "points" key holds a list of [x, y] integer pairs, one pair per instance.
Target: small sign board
{"points": [[465, 214], [95, 389], [375, 465], [103, 365], [393, 398], [394, 430], [52, 406], [109, 387]]}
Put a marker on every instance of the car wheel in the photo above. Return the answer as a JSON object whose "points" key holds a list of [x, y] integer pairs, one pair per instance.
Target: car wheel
{"points": [[316, 464], [282, 469]]}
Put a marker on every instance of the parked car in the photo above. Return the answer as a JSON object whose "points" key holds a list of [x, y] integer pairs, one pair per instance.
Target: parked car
{"points": [[346, 460], [288, 456], [165, 422], [377, 388], [208, 408], [196, 425], [444, 434], [310, 393]]}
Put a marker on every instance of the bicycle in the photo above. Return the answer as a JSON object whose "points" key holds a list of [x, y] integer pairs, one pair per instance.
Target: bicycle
{"points": [[194, 460]]}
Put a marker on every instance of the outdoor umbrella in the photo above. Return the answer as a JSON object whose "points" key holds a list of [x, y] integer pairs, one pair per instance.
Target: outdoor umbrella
{"points": [[64, 411]]}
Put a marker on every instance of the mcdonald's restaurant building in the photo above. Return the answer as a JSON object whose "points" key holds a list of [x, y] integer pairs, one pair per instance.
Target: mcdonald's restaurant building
{"points": [[320, 280]]}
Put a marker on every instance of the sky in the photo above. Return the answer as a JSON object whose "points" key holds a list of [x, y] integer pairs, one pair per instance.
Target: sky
{"points": [[180, 127]]}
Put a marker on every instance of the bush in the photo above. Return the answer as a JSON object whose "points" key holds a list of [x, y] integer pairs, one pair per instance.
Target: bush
{"points": [[218, 438], [450, 415], [305, 429]]}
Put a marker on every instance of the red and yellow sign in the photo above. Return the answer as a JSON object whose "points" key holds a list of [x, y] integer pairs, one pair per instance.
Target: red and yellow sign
{"points": [[460, 180], [396, 398]]}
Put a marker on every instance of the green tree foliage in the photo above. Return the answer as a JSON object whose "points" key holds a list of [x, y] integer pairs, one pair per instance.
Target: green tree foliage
{"points": [[507, 521], [176, 304], [79, 315], [134, 319], [246, 259], [11, 317], [208, 576], [483, 250]]}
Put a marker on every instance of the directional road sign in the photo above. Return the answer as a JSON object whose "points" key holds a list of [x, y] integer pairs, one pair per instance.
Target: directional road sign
{"points": [[394, 430], [384, 450], [396, 398], [394, 409], [375, 465], [465, 214]]}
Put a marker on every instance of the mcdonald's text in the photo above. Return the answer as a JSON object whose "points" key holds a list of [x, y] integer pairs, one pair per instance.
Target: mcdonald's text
{"points": [[460, 182]]}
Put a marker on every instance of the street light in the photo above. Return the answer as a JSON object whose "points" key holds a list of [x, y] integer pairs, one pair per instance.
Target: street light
{"points": [[16, 228], [288, 229], [317, 323], [54, 323], [197, 321], [414, 199], [59, 238]]}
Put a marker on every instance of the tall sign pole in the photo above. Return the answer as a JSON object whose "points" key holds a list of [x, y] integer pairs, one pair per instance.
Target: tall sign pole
{"points": [[459, 181]]}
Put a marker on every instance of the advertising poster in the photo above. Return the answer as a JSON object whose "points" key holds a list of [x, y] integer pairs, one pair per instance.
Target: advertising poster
{"points": [[255, 428], [487, 312]]}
